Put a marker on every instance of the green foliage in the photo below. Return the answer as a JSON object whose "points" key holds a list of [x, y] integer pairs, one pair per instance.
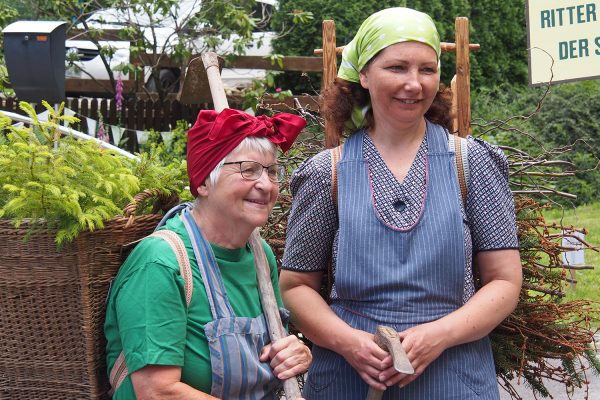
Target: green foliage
{"points": [[173, 150], [7, 15], [253, 95], [499, 26], [565, 127], [165, 161], [27, 9], [67, 184]]}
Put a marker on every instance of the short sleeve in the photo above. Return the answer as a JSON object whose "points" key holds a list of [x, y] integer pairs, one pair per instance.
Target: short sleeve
{"points": [[312, 223], [274, 273], [490, 205], [152, 314]]}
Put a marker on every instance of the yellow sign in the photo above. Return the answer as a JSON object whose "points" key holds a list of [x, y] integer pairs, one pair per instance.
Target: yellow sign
{"points": [[563, 39]]}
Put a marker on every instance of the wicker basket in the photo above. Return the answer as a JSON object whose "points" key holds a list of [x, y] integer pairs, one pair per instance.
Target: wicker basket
{"points": [[52, 306]]}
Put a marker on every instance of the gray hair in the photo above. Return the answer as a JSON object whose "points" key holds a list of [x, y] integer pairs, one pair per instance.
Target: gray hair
{"points": [[261, 145]]}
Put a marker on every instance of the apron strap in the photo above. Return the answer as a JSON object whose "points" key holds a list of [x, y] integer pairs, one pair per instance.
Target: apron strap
{"points": [[456, 145], [209, 269]]}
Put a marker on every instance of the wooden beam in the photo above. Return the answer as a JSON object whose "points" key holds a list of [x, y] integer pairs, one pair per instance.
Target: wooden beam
{"points": [[463, 76], [104, 34], [446, 48], [290, 63], [332, 138], [99, 86], [454, 105]]}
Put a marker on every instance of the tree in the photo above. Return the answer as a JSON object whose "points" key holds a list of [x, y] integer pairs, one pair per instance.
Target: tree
{"points": [[164, 29], [497, 25], [7, 15], [560, 122], [157, 29]]}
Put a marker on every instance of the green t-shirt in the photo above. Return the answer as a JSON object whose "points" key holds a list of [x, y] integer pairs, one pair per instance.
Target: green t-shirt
{"points": [[147, 314]]}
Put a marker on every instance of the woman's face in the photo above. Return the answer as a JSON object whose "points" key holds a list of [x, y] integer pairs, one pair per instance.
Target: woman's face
{"points": [[402, 81], [240, 201]]}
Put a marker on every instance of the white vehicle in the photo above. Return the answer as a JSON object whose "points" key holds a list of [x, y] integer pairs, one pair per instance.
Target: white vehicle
{"points": [[163, 33]]}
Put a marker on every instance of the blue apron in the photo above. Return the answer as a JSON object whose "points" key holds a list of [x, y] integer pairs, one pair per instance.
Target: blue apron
{"points": [[402, 278], [234, 342]]}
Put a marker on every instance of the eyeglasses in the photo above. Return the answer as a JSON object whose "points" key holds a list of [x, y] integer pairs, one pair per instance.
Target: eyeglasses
{"points": [[252, 170]]}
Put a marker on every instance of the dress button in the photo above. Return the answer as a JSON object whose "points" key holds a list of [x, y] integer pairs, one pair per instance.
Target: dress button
{"points": [[399, 205]]}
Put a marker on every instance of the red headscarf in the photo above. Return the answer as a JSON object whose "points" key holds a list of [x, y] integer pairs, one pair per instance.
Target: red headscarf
{"points": [[215, 135]]}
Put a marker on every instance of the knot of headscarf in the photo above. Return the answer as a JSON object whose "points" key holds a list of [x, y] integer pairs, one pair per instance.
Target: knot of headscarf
{"points": [[216, 134], [380, 30]]}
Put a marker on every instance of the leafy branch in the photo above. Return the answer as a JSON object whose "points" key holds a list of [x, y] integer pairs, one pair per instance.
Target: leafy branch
{"points": [[58, 182]]}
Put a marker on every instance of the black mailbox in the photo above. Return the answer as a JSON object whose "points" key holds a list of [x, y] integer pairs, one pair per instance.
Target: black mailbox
{"points": [[35, 59]]}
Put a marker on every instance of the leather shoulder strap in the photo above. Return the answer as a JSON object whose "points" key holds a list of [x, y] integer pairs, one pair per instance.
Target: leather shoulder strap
{"points": [[119, 371], [461, 157], [336, 155]]}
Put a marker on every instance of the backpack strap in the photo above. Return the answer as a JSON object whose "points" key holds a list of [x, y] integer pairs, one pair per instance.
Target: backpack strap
{"points": [[119, 371], [456, 144], [336, 155], [461, 157]]}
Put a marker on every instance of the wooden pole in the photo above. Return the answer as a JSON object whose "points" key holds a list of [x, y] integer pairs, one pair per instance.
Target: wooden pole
{"points": [[387, 338], [217, 91], [263, 272], [332, 138], [463, 78], [445, 46], [454, 105], [269, 305]]}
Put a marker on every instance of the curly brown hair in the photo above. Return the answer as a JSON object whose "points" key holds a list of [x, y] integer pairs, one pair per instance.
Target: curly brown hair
{"points": [[338, 100]]}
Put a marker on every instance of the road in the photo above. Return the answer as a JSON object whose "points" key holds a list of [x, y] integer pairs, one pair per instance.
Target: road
{"points": [[557, 390]]}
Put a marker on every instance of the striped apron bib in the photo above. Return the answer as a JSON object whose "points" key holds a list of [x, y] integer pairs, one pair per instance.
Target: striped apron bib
{"points": [[234, 342], [401, 278]]}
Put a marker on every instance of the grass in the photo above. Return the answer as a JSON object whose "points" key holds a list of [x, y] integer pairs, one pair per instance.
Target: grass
{"points": [[588, 217]]}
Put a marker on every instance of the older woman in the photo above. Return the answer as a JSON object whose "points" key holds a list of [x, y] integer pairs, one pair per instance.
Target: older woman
{"points": [[401, 241], [217, 346]]}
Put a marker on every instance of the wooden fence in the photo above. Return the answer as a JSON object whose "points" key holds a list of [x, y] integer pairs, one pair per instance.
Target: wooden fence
{"points": [[135, 114], [142, 115]]}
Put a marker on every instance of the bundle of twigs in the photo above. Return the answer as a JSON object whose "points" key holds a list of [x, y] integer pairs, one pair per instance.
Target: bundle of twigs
{"points": [[545, 337]]}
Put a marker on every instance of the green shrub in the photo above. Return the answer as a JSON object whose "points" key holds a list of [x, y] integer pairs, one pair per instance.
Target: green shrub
{"points": [[68, 184], [497, 25], [566, 127]]}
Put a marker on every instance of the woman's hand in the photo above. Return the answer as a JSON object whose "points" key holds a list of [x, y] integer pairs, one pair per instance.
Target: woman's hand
{"points": [[367, 358], [288, 357], [422, 344], [501, 278]]}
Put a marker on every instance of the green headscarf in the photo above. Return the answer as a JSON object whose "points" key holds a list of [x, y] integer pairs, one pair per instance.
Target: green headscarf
{"points": [[382, 29]]}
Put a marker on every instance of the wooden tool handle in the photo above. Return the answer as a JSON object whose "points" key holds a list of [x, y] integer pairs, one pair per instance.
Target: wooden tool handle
{"points": [[263, 272], [387, 338], [217, 91], [269, 304]]}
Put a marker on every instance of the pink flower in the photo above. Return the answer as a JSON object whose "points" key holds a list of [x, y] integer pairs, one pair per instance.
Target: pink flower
{"points": [[101, 133], [119, 94], [278, 89]]}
